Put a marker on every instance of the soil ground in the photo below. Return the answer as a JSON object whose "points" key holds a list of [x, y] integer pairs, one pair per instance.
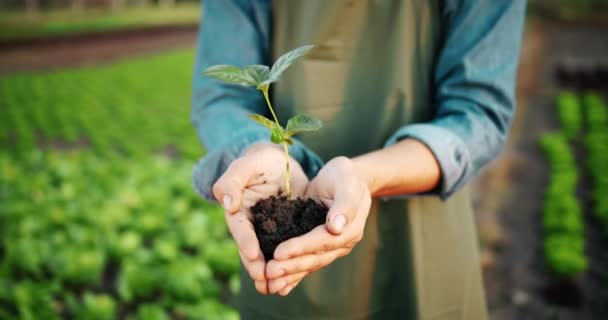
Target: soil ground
{"points": [[59, 52]]}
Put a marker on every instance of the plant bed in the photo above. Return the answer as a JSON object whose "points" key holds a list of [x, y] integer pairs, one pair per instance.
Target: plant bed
{"points": [[277, 219], [587, 77]]}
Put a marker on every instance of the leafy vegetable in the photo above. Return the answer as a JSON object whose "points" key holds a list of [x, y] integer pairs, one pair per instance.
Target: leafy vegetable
{"points": [[563, 224], [261, 77], [90, 205], [570, 113], [97, 307], [596, 145], [151, 312]]}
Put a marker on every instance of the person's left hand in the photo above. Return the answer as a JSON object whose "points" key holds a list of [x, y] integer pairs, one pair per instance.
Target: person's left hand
{"points": [[348, 198]]}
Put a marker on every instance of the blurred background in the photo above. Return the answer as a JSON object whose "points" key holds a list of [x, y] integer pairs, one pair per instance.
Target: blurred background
{"points": [[98, 219]]}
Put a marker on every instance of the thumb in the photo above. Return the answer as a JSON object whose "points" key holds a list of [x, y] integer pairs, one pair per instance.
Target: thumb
{"points": [[229, 187], [341, 212]]}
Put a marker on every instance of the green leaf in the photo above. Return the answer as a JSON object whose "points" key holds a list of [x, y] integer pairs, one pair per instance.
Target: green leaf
{"points": [[263, 121], [301, 123], [276, 136], [230, 74], [257, 72], [285, 61]]}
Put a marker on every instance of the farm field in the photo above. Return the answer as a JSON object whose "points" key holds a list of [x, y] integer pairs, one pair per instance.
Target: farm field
{"points": [[17, 25], [98, 218]]}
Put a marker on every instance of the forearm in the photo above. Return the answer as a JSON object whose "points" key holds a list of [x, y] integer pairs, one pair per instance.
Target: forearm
{"points": [[407, 167]]}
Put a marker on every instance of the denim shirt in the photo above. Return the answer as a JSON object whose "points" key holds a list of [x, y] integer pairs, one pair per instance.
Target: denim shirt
{"points": [[473, 88]]}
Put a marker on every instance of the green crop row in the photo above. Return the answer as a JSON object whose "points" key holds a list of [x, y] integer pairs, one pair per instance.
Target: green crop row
{"points": [[563, 224], [98, 217], [570, 114], [596, 143], [89, 238], [132, 108]]}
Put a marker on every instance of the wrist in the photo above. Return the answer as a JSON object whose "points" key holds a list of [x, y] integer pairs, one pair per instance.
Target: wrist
{"points": [[407, 167], [364, 170]]}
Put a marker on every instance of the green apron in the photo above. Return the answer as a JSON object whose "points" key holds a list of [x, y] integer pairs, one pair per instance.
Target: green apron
{"points": [[371, 74]]}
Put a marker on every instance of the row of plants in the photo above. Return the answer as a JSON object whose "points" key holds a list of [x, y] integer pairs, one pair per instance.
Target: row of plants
{"points": [[97, 220], [596, 145], [562, 218], [47, 23], [132, 108], [569, 110]]}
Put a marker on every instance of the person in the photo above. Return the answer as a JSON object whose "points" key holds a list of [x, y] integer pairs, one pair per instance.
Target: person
{"points": [[416, 97]]}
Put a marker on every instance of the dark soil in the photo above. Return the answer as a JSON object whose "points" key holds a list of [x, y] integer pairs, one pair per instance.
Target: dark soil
{"points": [[277, 219], [90, 49]]}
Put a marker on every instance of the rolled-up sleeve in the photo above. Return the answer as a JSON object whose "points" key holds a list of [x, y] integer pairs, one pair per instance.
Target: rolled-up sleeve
{"points": [[474, 88], [233, 32]]}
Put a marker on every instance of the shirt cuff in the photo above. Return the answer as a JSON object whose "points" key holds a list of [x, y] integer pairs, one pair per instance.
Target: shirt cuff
{"points": [[211, 167], [449, 150]]}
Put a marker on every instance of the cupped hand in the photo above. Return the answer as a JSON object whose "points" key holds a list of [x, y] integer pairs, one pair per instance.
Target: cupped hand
{"points": [[258, 174], [348, 198]]}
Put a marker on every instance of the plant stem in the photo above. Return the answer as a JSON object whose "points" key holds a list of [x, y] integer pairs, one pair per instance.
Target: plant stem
{"points": [[287, 182], [265, 92]]}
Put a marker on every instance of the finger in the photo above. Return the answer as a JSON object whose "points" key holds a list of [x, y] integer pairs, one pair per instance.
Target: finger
{"points": [[243, 233], [261, 287], [279, 284], [288, 289], [318, 240], [255, 268], [343, 210], [229, 187], [306, 263]]}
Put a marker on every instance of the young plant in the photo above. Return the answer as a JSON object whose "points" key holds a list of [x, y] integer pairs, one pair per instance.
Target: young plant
{"points": [[261, 77]]}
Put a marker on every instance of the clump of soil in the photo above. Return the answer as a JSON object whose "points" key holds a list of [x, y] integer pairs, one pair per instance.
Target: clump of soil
{"points": [[277, 219]]}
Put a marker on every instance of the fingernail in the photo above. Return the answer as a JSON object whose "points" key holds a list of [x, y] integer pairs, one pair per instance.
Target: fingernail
{"points": [[280, 273], [227, 202], [339, 222]]}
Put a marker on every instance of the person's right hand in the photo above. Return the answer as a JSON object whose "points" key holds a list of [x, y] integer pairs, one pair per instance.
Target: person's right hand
{"points": [[258, 174]]}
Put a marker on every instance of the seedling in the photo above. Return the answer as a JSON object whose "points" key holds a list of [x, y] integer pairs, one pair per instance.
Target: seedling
{"points": [[261, 77]]}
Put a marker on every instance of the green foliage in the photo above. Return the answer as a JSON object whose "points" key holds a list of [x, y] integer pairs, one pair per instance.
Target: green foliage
{"points": [[300, 123], [261, 77], [563, 253], [97, 307], [58, 22], [110, 109], [151, 312], [256, 75], [207, 309], [34, 301], [95, 222], [223, 257], [284, 62], [596, 144], [563, 224], [570, 113], [264, 121]]}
